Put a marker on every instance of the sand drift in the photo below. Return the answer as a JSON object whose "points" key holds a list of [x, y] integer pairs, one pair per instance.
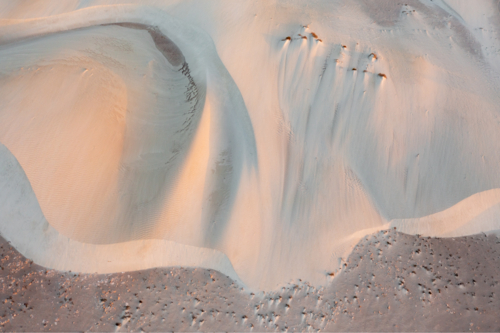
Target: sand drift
{"points": [[127, 144]]}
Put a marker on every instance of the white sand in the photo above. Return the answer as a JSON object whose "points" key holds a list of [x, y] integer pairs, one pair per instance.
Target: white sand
{"points": [[283, 169]]}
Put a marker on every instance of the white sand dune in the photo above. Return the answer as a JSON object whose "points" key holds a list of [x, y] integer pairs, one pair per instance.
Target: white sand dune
{"points": [[277, 134], [479, 213], [33, 235]]}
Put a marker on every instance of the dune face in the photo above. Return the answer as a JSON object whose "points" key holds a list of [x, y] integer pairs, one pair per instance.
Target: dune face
{"points": [[101, 162], [276, 134]]}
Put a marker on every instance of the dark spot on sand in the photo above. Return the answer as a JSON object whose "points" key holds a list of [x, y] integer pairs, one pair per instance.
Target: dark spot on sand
{"points": [[164, 44]]}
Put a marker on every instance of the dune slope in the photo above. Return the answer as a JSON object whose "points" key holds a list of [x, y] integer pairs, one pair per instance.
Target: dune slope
{"points": [[277, 134]]}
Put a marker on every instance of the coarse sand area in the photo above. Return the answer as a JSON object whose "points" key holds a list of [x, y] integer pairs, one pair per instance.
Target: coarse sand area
{"points": [[390, 282]]}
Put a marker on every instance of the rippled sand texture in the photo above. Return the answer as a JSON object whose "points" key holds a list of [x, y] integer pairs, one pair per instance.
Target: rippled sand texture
{"points": [[263, 140]]}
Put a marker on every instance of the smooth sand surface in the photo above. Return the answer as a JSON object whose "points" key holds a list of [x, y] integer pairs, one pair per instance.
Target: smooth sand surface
{"points": [[262, 139]]}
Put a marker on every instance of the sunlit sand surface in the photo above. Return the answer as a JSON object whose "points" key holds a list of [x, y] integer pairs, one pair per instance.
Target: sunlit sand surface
{"points": [[260, 139]]}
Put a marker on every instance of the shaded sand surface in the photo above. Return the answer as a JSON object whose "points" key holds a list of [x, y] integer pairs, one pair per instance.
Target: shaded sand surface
{"points": [[390, 282], [164, 44]]}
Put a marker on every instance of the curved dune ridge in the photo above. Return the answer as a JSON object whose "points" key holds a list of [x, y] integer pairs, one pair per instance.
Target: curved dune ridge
{"points": [[128, 145]]}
